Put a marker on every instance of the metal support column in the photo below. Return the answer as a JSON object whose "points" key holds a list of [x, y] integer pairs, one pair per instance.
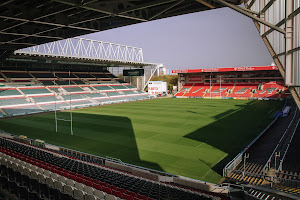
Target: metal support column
{"points": [[289, 6]]}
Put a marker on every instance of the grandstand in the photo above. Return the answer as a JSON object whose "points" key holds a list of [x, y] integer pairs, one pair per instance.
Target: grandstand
{"points": [[263, 82], [39, 91]]}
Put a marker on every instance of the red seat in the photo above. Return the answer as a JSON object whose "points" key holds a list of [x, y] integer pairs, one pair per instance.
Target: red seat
{"points": [[117, 193], [97, 186], [131, 193], [127, 197], [113, 187], [72, 177], [79, 180], [142, 197], [88, 183], [106, 189]]}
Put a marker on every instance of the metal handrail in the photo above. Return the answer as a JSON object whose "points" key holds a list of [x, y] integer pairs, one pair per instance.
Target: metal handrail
{"points": [[271, 156], [281, 161]]}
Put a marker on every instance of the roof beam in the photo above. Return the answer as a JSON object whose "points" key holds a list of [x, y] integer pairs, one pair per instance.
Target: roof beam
{"points": [[240, 10], [37, 18], [31, 35], [48, 23], [99, 10], [206, 4], [146, 5], [166, 9]]}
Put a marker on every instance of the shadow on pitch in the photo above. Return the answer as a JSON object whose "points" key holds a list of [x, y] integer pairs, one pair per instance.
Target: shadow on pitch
{"points": [[95, 134], [233, 130]]}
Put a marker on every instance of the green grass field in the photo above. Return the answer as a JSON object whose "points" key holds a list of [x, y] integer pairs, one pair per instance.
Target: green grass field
{"points": [[189, 137]]}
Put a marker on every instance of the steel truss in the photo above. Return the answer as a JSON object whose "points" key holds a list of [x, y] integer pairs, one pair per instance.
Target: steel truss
{"points": [[80, 48]]}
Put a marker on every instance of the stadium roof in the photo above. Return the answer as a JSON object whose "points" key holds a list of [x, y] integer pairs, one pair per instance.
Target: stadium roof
{"points": [[232, 69], [32, 22]]}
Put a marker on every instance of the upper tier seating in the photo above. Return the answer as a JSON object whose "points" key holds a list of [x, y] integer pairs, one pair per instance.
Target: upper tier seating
{"points": [[41, 99], [95, 95], [118, 87], [65, 75], [128, 92], [9, 92], [17, 75], [102, 88], [78, 82], [84, 75], [46, 83], [129, 86], [41, 75], [113, 93], [73, 89], [13, 101], [100, 75], [59, 92], [29, 91], [66, 82]]}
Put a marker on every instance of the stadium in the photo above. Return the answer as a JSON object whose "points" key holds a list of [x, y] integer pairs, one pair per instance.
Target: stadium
{"points": [[71, 128]]}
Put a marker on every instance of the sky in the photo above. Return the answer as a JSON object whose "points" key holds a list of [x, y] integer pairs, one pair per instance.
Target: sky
{"points": [[215, 38]]}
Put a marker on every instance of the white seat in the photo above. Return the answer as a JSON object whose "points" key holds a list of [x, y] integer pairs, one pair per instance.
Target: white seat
{"points": [[47, 173], [50, 182], [90, 197], [3, 161], [10, 158], [55, 176], [99, 194], [34, 168], [34, 175], [21, 169], [22, 163], [28, 165], [42, 178], [79, 186], [15, 166], [88, 190], [40, 170], [17, 161], [70, 182], [59, 186], [62, 179], [27, 172], [5, 156], [68, 190], [79, 194], [9, 164], [110, 197]]}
